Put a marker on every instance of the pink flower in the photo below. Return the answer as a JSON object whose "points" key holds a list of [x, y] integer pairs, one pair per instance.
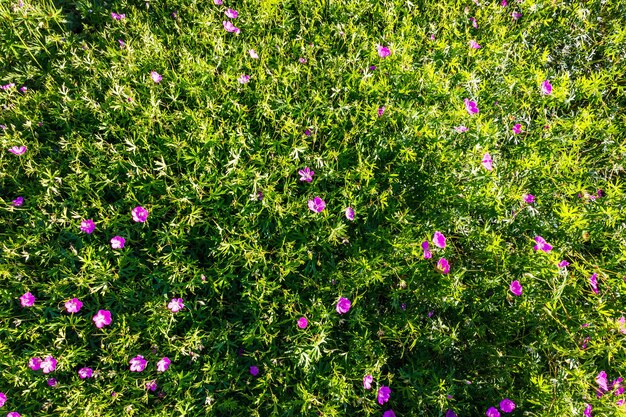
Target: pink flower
{"points": [[507, 405], [117, 242], [383, 51], [27, 300], [461, 129], [470, 106], [593, 280], [138, 364], [23, 89], [306, 174], [367, 381], [343, 305], [504, 3], [474, 24], [529, 198], [176, 305], [52, 382], [18, 150], [151, 385], [48, 365], [474, 45], [516, 15], [443, 266], [621, 323], [383, 394], [163, 364], [35, 363], [87, 226], [254, 371], [218, 2], [492, 412], [74, 305], [303, 322], [587, 412], [18, 201], [439, 240], [139, 214], [516, 288], [244, 79], [3, 399], [8, 86], [350, 213], [389, 413], [231, 13], [85, 373], [427, 253], [381, 111], [230, 27], [317, 205], [517, 129], [302, 60], [546, 88], [117, 16], [102, 318], [253, 54], [563, 264], [156, 77], [14, 414], [542, 244], [487, 162]]}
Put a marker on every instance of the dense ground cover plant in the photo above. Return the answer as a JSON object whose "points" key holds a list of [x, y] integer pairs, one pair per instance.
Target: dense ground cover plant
{"points": [[308, 208]]}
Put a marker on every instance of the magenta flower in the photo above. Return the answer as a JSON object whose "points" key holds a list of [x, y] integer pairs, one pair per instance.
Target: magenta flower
{"points": [[427, 254], [117, 242], [18, 201], [470, 106], [381, 111], [383, 394], [139, 214], [48, 365], [151, 385], [317, 205], [302, 60], [492, 412], [85, 373], [102, 318], [303, 322], [389, 413], [593, 280], [74, 305], [35, 363], [542, 244], [230, 27], [546, 88], [176, 305], [253, 54], [138, 364], [602, 381], [117, 16], [87, 226], [14, 414], [254, 371], [8, 86], [367, 381], [244, 79], [163, 364], [621, 323], [461, 129], [343, 305], [587, 412], [122, 43], [383, 51], [350, 213], [507, 405], [517, 129], [450, 413], [516, 15], [231, 14], [439, 240], [156, 77], [474, 45], [23, 89], [27, 300], [474, 24], [529, 198], [3, 399], [52, 382], [443, 266], [516, 288], [487, 162], [306, 174], [218, 2], [18, 150], [503, 3]]}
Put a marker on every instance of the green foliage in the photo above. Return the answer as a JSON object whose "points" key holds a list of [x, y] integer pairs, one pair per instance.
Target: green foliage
{"points": [[197, 148]]}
